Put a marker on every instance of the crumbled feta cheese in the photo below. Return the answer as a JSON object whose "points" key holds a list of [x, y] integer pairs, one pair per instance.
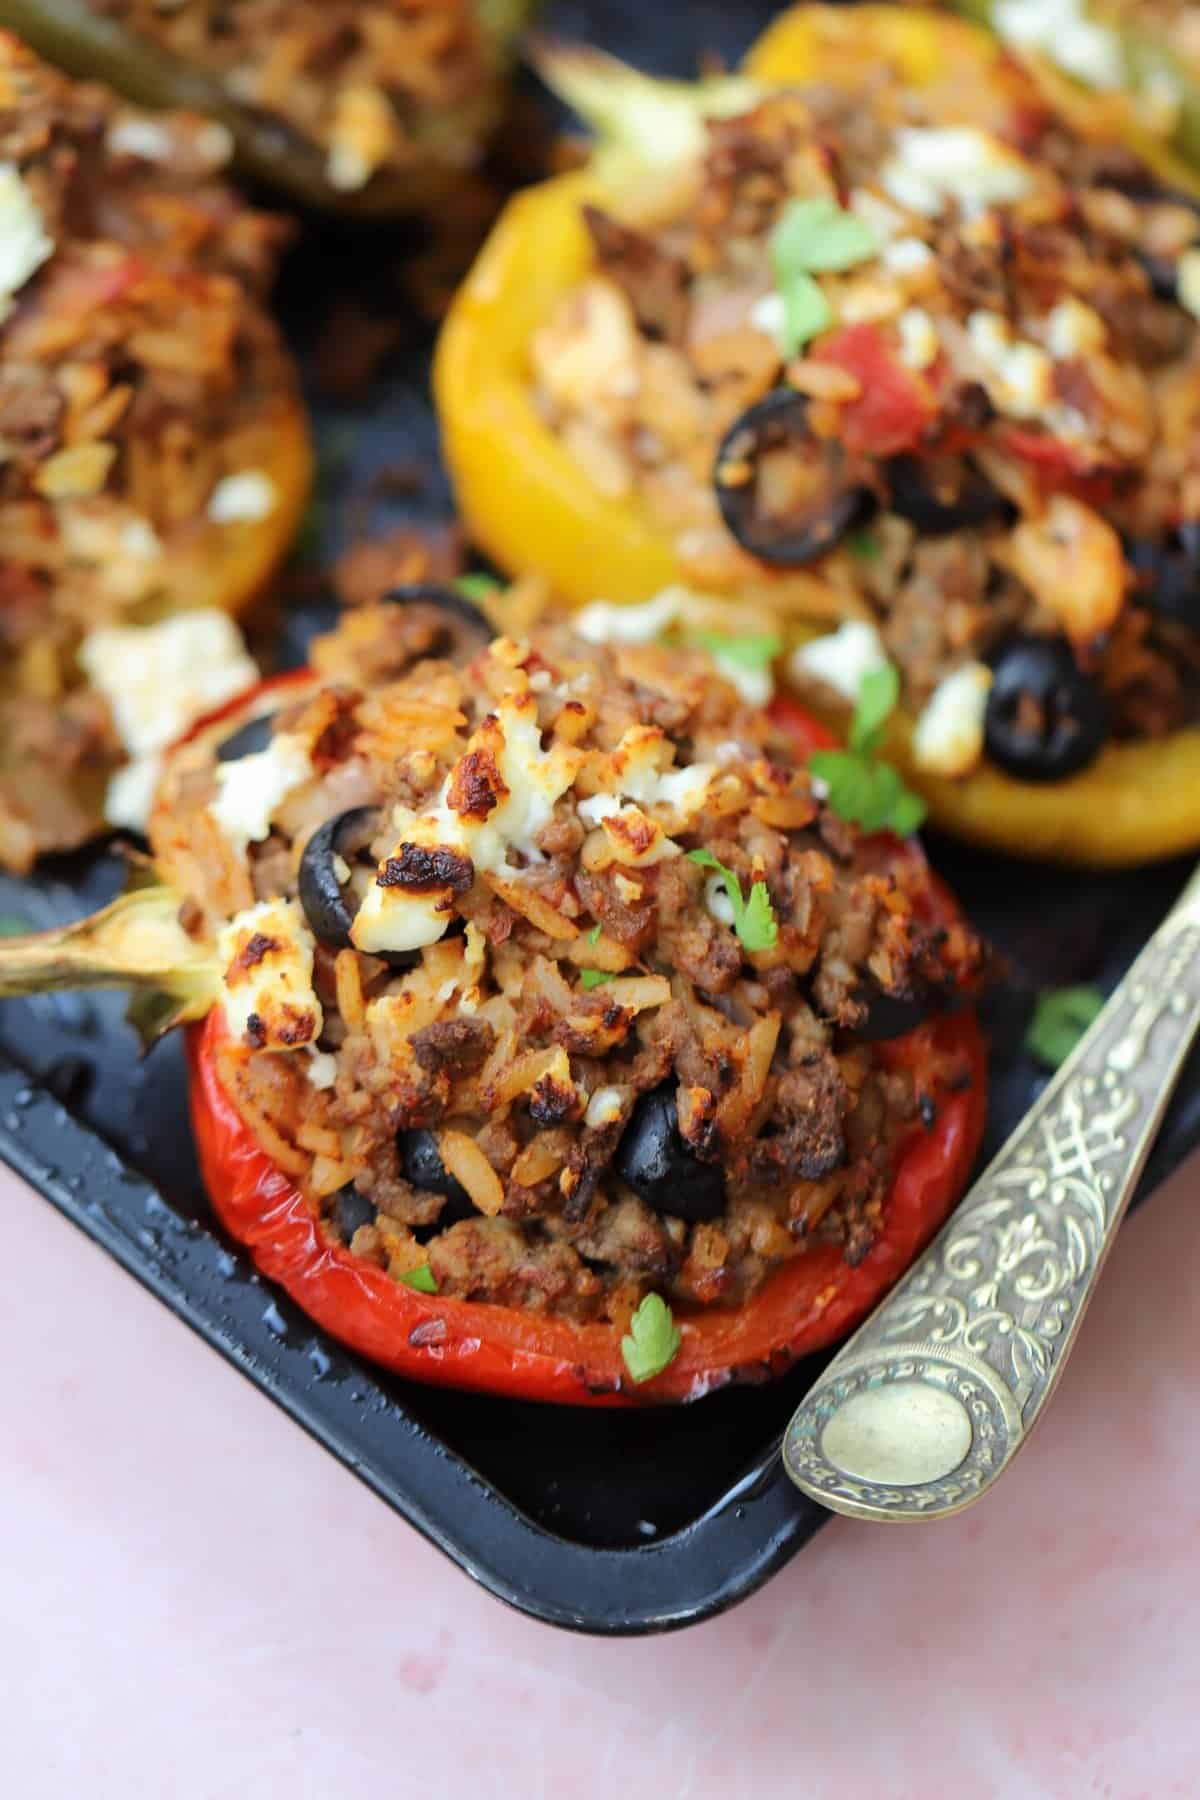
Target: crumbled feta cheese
{"points": [[1061, 30], [341, 869], [137, 135], [267, 953], [244, 498], [1073, 329], [24, 243], [322, 1069], [842, 658], [139, 538], [769, 315], [884, 219], [932, 165], [718, 902], [361, 135], [604, 623], [158, 679], [406, 915], [728, 751], [1187, 281], [948, 739], [604, 1108], [919, 342], [1018, 375], [907, 255], [637, 777], [250, 789]]}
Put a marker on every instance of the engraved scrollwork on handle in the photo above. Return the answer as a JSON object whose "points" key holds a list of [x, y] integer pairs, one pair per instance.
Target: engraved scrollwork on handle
{"points": [[934, 1395]]}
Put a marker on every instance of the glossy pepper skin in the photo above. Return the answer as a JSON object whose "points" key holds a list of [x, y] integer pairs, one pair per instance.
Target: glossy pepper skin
{"points": [[80, 38], [529, 504]]}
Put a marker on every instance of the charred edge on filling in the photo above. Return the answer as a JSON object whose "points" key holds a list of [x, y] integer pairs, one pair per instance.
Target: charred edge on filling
{"points": [[477, 786], [422, 871]]}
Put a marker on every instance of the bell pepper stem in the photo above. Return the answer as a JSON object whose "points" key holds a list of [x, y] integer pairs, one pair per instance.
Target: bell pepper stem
{"points": [[639, 115], [136, 942]]}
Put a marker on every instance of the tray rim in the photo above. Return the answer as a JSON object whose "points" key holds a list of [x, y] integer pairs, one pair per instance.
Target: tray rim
{"points": [[681, 1579]]}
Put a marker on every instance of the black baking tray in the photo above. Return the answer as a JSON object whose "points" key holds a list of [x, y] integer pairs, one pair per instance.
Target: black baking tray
{"points": [[603, 1522]]}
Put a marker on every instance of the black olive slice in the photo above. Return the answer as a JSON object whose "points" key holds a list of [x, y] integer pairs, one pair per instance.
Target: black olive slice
{"points": [[822, 502], [1045, 717], [1168, 573], [248, 740], [350, 1210], [322, 895], [654, 1161], [468, 623], [888, 1015], [422, 1167], [941, 495]]}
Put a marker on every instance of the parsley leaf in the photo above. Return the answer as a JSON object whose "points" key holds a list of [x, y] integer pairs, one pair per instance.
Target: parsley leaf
{"points": [[806, 311], [863, 544], [593, 978], [754, 918], [811, 236], [755, 651], [878, 692], [421, 1278], [477, 587], [653, 1339], [593, 936], [1060, 1018], [861, 788], [819, 235]]}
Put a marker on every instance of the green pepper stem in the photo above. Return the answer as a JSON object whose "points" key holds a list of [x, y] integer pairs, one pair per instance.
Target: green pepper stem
{"points": [[655, 121], [136, 942]]}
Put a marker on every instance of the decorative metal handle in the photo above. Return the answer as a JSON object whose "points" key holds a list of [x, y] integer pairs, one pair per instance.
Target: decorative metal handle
{"points": [[932, 1398]]}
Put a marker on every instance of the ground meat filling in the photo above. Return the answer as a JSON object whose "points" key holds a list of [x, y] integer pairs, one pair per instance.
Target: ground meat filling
{"points": [[556, 1076], [376, 84], [989, 428], [139, 372]]}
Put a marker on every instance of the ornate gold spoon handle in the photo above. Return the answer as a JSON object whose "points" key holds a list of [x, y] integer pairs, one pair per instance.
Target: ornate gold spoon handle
{"points": [[932, 1398]]}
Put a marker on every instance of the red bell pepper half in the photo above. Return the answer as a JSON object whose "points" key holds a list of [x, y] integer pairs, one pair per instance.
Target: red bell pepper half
{"points": [[805, 1305]]}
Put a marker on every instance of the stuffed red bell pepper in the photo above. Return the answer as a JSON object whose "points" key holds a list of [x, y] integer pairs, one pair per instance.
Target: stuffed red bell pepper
{"points": [[558, 1039]]}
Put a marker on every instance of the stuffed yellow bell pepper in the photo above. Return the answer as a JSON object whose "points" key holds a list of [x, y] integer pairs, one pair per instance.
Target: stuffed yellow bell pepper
{"points": [[874, 334], [154, 452]]}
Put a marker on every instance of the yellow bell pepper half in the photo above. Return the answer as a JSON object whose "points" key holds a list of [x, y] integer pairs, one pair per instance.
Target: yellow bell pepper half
{"points": [[532, 509]]}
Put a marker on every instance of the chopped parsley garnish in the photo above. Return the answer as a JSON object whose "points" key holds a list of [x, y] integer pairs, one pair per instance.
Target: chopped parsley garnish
{"points": [[421, 1278], [1060, 1018], [476, 586], [593, 978], [806, 311], [817, 235], [859, 786], [811, 236], [754, 917], [652, 1341], [593, 936], [863, 544], [755, 651]]}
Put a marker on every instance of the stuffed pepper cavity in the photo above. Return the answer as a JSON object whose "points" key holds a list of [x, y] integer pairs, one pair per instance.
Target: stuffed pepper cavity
{"points": [[558, 1038], [372, 108], [887, 340], [154, 455]]}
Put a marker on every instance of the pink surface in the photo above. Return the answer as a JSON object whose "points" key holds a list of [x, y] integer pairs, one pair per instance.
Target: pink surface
{"points": [[199, 1604]]}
